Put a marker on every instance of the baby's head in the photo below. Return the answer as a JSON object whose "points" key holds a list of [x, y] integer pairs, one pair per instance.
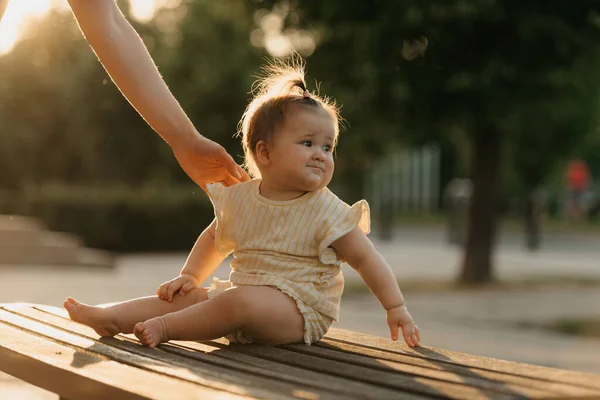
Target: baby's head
{"points": [[288, 133]]}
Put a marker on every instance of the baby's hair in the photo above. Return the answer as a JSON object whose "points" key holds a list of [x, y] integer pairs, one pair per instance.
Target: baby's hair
{"points": [[282, 84]]}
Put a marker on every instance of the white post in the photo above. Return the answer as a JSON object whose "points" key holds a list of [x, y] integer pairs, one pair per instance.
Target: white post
{"points": [[426, 180], [415, 192], [435, 179], [405, 181]]}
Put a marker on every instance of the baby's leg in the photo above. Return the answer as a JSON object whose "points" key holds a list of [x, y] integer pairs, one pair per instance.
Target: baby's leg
{"points": [[263, 314], [122, 317]]}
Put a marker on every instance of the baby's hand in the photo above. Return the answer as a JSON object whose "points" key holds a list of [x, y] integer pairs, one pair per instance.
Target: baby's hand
{"points": [[399, 316], [182, 284]]}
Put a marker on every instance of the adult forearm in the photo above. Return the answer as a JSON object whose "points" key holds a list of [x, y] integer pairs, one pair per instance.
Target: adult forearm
{"points": [[3, 5], [126, 59], [380, 279]]}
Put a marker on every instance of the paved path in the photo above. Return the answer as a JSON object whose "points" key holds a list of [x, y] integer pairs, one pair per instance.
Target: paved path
{"points": [[484, 323], [480, 322]]}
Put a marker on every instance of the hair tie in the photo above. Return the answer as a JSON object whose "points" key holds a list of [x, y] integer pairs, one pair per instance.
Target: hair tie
{"points": [[306, 94]]}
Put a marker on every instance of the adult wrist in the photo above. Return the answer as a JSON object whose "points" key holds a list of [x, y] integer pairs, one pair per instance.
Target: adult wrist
{"points": [[183, 138]]}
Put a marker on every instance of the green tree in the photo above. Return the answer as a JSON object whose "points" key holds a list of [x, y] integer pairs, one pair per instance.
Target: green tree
{"points": [[487, 62], [62, 119]]}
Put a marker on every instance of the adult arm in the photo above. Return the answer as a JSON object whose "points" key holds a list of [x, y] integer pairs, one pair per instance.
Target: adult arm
{"points": [[3, 5], [127, 61]]}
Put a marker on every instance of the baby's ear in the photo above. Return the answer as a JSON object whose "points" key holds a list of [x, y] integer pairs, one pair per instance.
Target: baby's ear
{"points": [[261, 152]]}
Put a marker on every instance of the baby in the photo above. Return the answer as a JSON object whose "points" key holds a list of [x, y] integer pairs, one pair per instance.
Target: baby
{"points": [[288, 234]]}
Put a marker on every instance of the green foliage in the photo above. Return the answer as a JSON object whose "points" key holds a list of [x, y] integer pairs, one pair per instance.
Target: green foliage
{"points": [[523, 66], [118, 218], [62, 119]]}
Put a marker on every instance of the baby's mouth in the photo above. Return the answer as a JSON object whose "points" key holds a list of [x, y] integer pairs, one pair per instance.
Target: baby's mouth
{"points": [[320, 168]]}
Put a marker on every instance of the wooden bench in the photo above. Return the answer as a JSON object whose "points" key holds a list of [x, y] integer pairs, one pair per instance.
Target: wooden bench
{"points": [[40, 345]]}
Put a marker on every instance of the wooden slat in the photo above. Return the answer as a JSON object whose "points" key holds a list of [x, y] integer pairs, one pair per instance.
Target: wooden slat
{"points": [[220, 356], [235, 360], [545, 374], [381, 359], [382, 364], [71, 360], [346, 387], [395, 384], [402, 382], [79, 374], [198, 374]]}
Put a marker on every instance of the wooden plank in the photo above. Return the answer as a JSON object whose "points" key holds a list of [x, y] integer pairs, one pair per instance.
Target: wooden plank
{"points": [[402, 382], [375, 357], [209, 376], [325, 378], [229, 358], [545, 374], [346, 387], [342, 365], [75, 373], [382, 364], [220, 356]]}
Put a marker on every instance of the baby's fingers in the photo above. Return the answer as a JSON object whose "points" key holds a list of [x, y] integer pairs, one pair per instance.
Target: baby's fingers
{"points": [[418, 335], [393, 331], [161, 292], [189, 285], [172, 289], [411, 334]]}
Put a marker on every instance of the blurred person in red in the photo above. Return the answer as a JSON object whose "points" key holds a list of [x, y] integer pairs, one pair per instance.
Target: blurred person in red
{"points": [[578, 180]]}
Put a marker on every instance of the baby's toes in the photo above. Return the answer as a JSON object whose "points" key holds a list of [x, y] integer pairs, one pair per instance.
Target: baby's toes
{"points": [[139, 330]]}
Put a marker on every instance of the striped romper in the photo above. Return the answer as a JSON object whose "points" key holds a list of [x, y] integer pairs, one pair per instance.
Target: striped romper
{"points": [[286, 245]]}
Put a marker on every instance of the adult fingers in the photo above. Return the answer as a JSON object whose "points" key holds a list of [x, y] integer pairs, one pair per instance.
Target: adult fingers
{"points": [[230, 165], [230, 180], [243, 173]]}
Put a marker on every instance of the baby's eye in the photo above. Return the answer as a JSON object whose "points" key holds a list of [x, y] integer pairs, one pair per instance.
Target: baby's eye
{"points": [[307, 143], [328, 148]]}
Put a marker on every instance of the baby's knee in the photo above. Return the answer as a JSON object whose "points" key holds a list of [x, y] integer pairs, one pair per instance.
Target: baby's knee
{"points": [[240, 303]]}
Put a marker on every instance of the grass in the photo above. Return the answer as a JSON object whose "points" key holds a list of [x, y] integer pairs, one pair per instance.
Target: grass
{"points": [[508, 224], [582, 327], [440, 286]]}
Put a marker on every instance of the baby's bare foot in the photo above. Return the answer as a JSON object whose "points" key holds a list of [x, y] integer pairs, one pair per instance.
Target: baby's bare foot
{"points": [[152, 332], [96, 318]]}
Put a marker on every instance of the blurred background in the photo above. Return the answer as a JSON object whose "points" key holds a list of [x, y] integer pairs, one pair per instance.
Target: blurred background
{"points": [[471, 127]]}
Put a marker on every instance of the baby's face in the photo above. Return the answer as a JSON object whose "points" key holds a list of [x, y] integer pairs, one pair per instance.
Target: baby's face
{"points": [[302, 149]]}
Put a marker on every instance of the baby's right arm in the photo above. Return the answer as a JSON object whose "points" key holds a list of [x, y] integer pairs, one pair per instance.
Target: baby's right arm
{"points": [[201, 262], [360, 254]]}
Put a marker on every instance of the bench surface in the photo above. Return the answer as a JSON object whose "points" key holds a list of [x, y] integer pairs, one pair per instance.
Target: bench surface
{"points": [[40, 345]]}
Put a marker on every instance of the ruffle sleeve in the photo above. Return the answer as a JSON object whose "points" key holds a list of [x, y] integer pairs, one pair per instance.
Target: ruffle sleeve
{"points": [[218, 196], [215, 192], [341, 222]]}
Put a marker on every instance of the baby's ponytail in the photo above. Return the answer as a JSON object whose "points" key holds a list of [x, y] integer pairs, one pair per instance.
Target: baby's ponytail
{"points": [[282, 84]]}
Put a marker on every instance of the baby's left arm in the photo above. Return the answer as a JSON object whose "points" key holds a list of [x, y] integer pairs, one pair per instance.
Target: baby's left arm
{"points": [[359, 252]]}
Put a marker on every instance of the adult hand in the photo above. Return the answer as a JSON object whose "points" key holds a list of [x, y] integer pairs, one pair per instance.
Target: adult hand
{"points": [[207, 162], [3, 5]]}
